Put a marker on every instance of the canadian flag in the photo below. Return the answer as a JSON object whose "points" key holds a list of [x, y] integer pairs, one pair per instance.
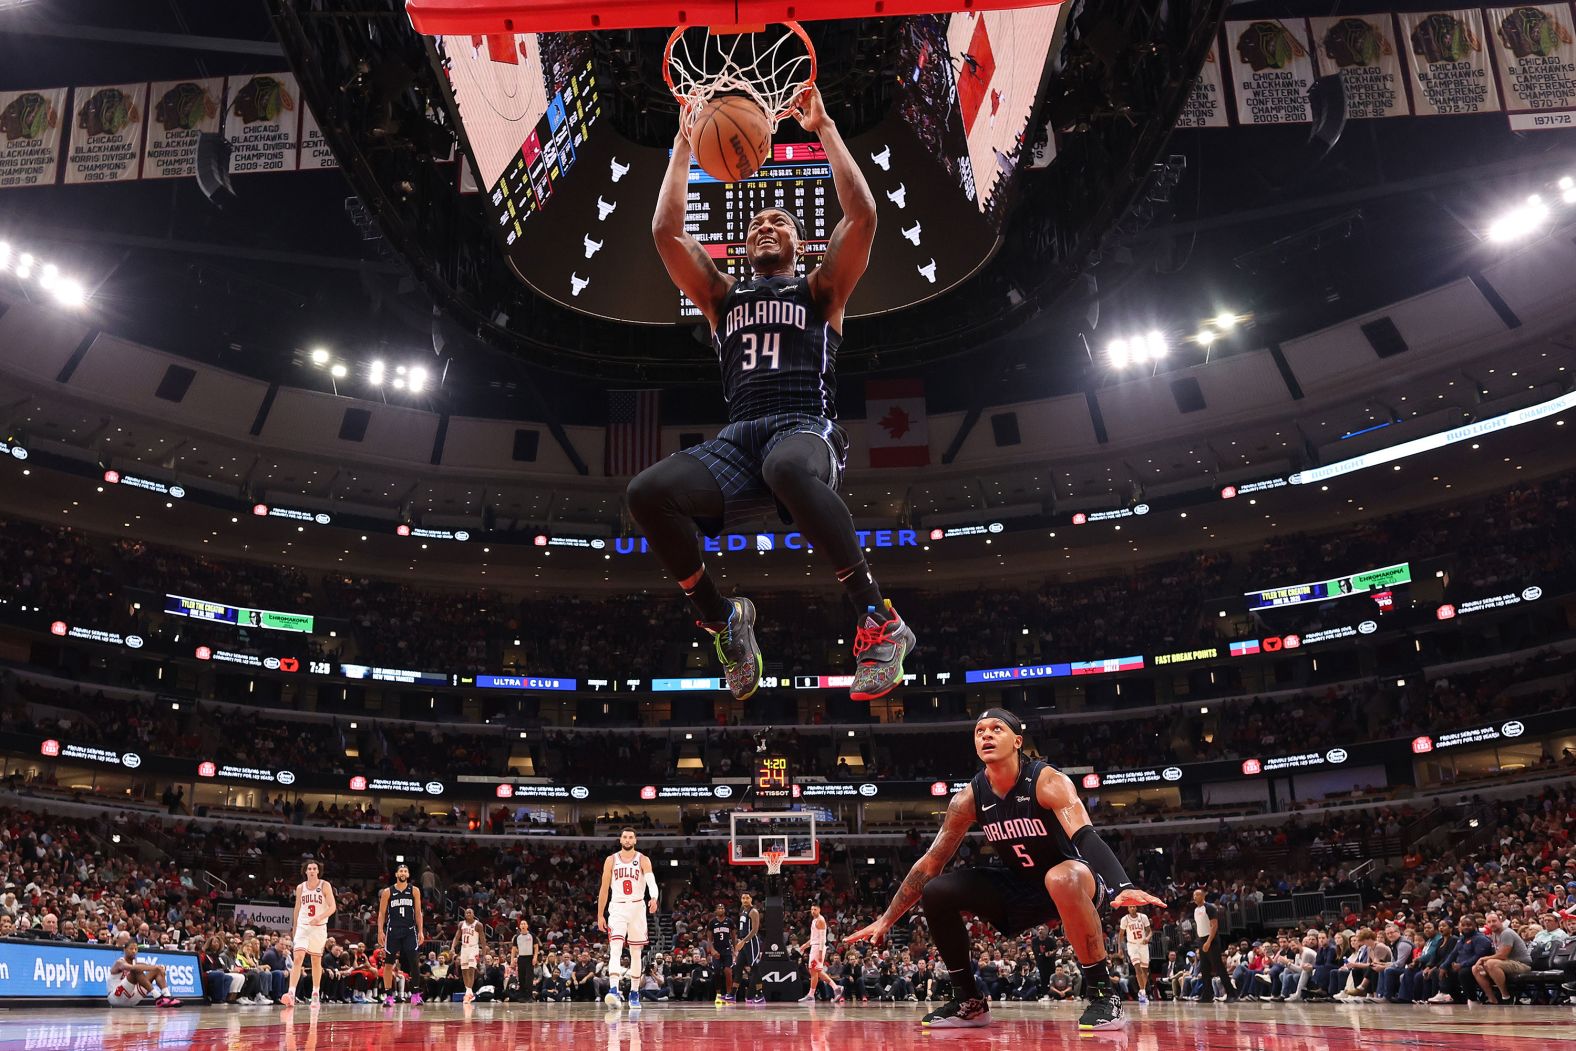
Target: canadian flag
{"points": [[895, 423]]}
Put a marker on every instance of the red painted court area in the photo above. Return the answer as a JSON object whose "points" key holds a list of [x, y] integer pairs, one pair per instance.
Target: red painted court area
{"points": [[695, 1028]]}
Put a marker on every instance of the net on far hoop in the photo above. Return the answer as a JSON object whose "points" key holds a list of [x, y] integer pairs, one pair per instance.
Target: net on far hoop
{"points": [[774, 861], [770, 67]]}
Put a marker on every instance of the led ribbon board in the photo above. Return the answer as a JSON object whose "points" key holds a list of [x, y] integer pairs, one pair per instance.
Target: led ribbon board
{"points": [[1335, 587], [270, 620]]}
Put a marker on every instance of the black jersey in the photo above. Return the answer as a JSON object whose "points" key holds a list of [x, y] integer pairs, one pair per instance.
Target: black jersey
{"points": [[1027, 838], [402, 909], [778, 354], [722, 937], [752, 946]]}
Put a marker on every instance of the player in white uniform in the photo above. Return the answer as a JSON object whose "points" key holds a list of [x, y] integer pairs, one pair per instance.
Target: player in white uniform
{"points": [[130, 982], [814, 953], [467, 948], [314, 904], [621, 909], [1136, 930]]}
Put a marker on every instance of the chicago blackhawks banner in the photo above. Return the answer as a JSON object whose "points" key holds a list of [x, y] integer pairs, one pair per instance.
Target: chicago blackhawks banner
{"points": [[1271, 70], [262, 122], [180, 110], [1537, 64], [1361, 48], [1206, 103], [106, 133], [315, 153], [1449, 63], [31, 123]]}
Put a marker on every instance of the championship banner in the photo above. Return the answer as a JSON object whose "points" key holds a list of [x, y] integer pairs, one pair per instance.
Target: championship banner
{"points": [[1206, 103], [1271, 70], [1448, 63], [315, 153], [261, 123], [106, 134], [30, 132], [180, 110], [1362, 49], [1536, 47]]}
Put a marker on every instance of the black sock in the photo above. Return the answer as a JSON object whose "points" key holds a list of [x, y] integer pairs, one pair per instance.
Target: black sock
{"points": [[708, 601], [1097, 979], [963, 987], [862, 588]]}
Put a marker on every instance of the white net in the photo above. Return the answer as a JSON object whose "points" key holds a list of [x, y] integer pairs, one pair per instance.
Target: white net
{"points": [[770, 67], [774, 861]]}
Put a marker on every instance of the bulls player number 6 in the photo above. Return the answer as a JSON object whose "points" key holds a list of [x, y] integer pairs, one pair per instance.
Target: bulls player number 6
{"points": [[770, 347]]}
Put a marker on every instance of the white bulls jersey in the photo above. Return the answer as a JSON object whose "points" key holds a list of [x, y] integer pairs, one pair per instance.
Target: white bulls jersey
{"points": [[818, 934], [628, 882], [470, 936], [313, 902], [1135, 928]]}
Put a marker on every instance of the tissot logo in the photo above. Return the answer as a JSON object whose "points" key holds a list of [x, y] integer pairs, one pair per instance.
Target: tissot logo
{"points": [[1514, 728], [1172, 773], [285, 777], [434, 788], [868, 790], [131, 760], [1250, 767], [206, 770], [1336, 755], [723, 792], [505, 792], [1091, 780], [579, 792]]}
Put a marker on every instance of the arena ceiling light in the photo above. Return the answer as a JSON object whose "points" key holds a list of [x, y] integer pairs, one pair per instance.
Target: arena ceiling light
{"points": [[1136, 350], [1520, 222], [25, 266], [1568, 190]]}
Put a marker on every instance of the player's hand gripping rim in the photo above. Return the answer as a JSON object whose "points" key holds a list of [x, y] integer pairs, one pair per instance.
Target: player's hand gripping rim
{"points": [[809, 109]]}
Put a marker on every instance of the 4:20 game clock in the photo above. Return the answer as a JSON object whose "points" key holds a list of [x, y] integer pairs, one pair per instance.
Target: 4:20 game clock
{"points": [[773, 778]]}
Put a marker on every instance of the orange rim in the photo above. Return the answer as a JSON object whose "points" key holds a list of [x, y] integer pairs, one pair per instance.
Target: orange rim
{"points": [[683, 101]]}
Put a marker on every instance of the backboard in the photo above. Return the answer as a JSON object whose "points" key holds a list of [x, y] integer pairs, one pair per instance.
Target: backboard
{"points": [[752, 833]]}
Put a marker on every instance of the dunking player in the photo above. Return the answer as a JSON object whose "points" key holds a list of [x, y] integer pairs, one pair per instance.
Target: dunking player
{"points": [[314, 904], [1053, 862], [621, 909], [776, 335], [815, 962], [722, 945], [399, 931], [747, 951]]}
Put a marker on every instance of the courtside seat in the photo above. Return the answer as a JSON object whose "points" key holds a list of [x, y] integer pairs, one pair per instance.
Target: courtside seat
{"points": [[1549, 969]]}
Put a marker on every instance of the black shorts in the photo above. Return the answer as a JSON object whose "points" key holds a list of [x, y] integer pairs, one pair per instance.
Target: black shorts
{"points": [[400, 947], [736, 456], [1009, 902], [747, 955]]}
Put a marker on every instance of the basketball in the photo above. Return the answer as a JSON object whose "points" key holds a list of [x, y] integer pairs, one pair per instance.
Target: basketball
{"points": [[731, 138]]}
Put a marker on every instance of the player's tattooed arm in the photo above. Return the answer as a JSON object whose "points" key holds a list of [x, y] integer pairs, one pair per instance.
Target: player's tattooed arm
{"points": [[954, 827], [848, 249], [686, 261]]}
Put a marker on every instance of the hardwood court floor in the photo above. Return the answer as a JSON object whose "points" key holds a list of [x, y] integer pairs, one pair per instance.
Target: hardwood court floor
{"points": [[674, 1027]]}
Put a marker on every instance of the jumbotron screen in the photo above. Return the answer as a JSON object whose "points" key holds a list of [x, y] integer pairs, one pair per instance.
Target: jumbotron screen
{"points": [[571, 199]]}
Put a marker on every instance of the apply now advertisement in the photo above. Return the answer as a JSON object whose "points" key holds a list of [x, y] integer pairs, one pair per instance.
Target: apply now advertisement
{"points": [[32, 970]]}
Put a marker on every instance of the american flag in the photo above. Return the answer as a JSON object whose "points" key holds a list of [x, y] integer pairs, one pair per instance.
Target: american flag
{"points": [[634, 431]]}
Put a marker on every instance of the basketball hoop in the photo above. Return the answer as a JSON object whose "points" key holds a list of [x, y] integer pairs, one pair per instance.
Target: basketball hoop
{"points": [[774, 861], [768, 64]]}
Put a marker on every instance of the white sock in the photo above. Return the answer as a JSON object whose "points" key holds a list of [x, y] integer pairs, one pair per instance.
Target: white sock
{"points": [[634, 962]]}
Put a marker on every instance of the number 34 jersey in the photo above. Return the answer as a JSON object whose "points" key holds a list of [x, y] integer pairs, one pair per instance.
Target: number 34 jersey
{"points": [[778, 354]]}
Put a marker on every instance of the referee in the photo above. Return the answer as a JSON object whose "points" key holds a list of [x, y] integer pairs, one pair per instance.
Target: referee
{"points": [[525, 960], [1211, 964]]}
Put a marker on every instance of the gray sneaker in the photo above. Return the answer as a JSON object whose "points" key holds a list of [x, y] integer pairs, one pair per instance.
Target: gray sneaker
{"points": [[881, 642], [737, 649], [959, 1014]]}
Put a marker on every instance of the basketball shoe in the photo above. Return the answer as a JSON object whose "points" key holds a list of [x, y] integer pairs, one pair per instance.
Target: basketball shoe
{"points": [[973, 1013], [1103, 1012], [880, 644], [737, 649]]}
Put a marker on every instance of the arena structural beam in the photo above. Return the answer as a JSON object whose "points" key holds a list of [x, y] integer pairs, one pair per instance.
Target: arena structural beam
{"points": [[122, 37], [489, 17]]}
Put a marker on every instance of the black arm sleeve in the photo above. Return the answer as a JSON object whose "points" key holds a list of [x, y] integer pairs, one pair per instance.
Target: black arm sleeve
{"points": [[1102, 862]]}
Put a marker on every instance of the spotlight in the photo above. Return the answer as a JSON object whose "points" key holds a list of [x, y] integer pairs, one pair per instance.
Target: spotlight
{"points": [[1225, 322], [5, 254], [1205, 337], [417, 380], [1117, 353], [1567, 194], [399, 383], [1565, 183], [1156, 343], [49, 276], [319, 357], [338, 371], [1519, 222], [375, 374], [70, 293]]}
